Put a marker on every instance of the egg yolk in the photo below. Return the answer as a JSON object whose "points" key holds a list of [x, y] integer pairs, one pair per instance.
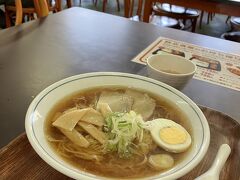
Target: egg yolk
{"points": [[173, 135]]}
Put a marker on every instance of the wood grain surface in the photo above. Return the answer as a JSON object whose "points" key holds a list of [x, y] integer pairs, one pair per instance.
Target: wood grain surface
{"points": [[19, 160]]}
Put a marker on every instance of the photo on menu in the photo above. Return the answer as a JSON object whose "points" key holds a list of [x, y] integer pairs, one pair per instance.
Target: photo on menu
{"points": [[164, 50], [206, 62], [234, 70]]}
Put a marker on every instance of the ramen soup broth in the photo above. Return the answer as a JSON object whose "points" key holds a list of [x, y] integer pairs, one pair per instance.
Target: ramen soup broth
{"points": [[110, 164]]}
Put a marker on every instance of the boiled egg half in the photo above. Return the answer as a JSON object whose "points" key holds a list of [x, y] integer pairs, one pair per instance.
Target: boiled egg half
{"points": [[169, 135]]}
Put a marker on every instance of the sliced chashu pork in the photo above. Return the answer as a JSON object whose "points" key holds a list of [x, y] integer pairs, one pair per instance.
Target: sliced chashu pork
{"points": [[118, 102], [142, 104]]}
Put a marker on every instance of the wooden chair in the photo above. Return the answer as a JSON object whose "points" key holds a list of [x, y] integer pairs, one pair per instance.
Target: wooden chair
{"points": [[177, 12], [232, 36], [164, 21], [105, 3], [131, 7], [2, 19], [18, 11], [209, 17], [235, 23], [228, 18], [160, 21], [93, 1], [30, 7], [43, 6]]}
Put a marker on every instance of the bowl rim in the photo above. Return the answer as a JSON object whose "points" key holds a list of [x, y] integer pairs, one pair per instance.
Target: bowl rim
{"points": [[171, 74], [56, 165]]}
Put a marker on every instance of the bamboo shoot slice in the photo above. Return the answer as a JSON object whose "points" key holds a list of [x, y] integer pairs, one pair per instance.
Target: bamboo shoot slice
{"points": [[68, 121], [93, 117], [93, 131], [76, 137], [104, 108]]}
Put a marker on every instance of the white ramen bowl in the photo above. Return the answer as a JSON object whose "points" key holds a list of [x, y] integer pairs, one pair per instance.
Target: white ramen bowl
{"points": [[49, 97], [162, 66]]}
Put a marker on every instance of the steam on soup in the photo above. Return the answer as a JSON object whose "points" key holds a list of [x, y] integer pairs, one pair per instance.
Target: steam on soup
{"points": [[118, 132]]}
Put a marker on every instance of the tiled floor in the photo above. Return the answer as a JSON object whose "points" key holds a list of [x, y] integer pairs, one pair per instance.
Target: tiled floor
{"points": [[215, 28]]}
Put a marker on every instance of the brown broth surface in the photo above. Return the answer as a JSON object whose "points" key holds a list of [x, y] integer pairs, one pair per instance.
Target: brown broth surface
{"points": [[163, 109]]}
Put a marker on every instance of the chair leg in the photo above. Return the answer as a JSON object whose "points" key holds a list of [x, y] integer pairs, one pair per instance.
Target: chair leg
{"points": [[227, 19], [139, 9], [118, 5], [201, 18], [96, 1], [184, 21], [131, 8], [69, 3], [208, 18], [30, 16], [58, 5], [104, 5], [127, 7], [194, 23], [211, 16], [19, 12], [8, 19]]}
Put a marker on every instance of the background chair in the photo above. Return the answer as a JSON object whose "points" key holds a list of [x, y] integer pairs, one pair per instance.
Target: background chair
{"points": [[177, 12], [27, 8], [209, 17], [93, 1], [42, 7], [69, 3], [232, 36], [31, 7], [105, 3], [161, 21], [17, 12], [235, 23], [2, 20], [131, 7]]}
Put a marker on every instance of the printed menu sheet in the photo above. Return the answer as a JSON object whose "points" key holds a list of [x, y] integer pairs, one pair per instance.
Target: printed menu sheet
{"points": [[212, 66]]}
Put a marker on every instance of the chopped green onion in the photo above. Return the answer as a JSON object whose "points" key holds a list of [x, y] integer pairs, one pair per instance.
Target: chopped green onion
{"points": [[123, 129]]}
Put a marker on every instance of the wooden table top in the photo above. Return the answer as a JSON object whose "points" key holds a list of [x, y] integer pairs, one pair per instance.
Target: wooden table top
{"points": [[39, 53]]}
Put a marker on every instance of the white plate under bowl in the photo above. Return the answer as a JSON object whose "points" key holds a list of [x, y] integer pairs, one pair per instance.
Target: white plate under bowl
{"points": [[43, 103]]}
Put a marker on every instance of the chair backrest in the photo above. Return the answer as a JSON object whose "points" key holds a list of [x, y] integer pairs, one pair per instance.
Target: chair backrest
{"points": [[19, 13], [41, 7]]}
